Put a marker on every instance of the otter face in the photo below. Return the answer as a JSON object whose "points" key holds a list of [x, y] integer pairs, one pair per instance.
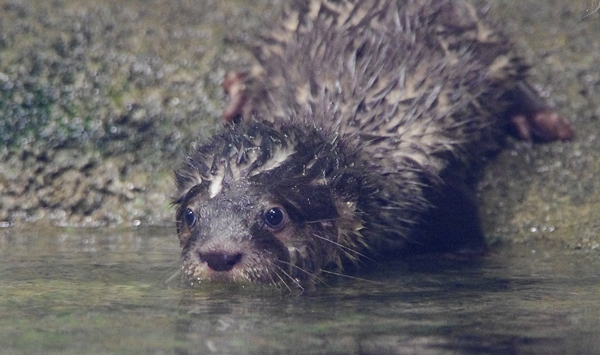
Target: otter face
{"points": [[235, 236], [257, 231], [259, 205]]}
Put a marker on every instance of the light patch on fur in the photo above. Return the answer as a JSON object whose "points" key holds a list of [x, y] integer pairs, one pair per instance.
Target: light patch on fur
{"points": [[343, 10], [272, 50], [241, 171], [278, 158], [319, 182], [449, 56], [314, 8], [216, 182], [484, 33], [257, 71], [500, 63], [291, 23], [358, 16], [303, 94], [410, 87]]}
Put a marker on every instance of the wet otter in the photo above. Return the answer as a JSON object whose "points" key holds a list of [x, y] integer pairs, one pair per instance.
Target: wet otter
{"points": [[356, 136]]}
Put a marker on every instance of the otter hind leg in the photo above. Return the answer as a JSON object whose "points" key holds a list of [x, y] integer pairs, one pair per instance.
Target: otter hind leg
{"points": [[234, 86], [533, 119]]}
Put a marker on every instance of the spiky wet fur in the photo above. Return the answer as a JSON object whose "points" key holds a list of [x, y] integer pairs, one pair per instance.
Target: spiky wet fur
{"points": [[356, 111], [319, 182]]}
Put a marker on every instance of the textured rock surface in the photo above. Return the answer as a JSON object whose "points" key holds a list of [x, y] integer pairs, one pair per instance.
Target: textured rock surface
{"points": [[549, 194], [98, 100]]}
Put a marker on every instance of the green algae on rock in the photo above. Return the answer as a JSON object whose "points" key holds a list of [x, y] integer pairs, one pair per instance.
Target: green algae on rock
{"points": [[96, 101]]}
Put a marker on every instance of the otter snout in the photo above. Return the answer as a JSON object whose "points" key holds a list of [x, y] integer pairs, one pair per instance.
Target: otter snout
{"points": [[220, 261]]}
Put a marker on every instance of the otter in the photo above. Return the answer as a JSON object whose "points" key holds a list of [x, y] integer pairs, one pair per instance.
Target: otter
{"points": [[358, 135]]}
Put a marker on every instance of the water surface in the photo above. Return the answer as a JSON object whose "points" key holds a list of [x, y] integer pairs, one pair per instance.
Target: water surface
{"points": [[104, 291]]}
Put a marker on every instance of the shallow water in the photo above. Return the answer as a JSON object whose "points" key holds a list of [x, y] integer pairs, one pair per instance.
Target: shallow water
{"points": [[89, 291]]}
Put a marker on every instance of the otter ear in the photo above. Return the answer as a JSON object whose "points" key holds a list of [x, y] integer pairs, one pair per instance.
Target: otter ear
{"points": [[190, 174], [186, 180], [185, 195]]}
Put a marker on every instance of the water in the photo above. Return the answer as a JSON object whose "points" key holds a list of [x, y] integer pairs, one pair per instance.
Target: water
{"points": [[104, 291]]}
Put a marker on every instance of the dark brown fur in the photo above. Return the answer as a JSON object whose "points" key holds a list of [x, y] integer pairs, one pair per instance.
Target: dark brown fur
{"points": [[358, 133]]}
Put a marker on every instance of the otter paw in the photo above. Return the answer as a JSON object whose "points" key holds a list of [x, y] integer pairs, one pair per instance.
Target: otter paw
{"points": [[544, 125], [234, 86]]}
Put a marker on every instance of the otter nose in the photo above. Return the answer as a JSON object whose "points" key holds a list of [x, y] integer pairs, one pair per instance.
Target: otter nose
{"points": [[221, 261]]}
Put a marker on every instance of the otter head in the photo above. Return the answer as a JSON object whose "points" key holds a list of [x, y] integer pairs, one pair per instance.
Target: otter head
{"points": [[257, 206]]}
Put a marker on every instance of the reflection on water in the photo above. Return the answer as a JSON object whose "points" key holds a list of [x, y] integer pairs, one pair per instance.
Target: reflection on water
{"points": [[89, 291]]}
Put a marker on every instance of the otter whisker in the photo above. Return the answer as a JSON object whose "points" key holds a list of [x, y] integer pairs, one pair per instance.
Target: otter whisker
{"points": [[296, 282], [350, 252], [281, 278], [597, 9], [310, 274], [352, 277], [316, 221], [170, 278]]}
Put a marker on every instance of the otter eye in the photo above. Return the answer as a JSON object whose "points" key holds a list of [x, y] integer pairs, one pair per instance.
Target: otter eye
{"points": [[275, 217], [190, 218]]}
